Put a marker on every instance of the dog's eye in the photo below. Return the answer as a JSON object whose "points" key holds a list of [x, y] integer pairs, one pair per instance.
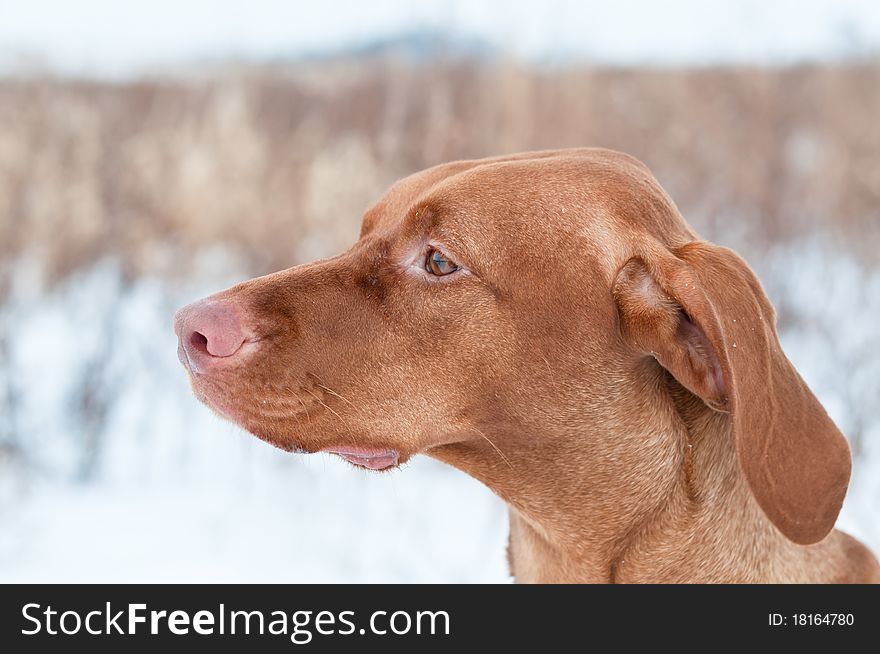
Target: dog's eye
{"points": [[436, 263]]}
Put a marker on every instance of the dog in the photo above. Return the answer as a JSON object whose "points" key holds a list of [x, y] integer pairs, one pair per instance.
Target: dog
{"points": [[548, 323]]}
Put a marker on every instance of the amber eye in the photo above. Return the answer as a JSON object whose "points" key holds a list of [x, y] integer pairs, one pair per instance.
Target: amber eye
{"points": [[437, 264]]}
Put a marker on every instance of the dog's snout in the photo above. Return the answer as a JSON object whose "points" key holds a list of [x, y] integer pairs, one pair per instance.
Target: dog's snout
{"points": [[209, 333]]}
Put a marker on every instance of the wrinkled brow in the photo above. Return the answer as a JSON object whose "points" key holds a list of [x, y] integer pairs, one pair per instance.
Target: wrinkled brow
{"points": [[424, 218]]}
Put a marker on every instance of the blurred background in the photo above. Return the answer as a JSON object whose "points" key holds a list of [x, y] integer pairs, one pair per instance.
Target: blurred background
{"points": [[151, 153]]}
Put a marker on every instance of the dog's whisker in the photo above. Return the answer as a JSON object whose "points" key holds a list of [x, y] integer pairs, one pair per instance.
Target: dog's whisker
{"points": [[271, 414], [495, 447], [305, 408], [332, 392], [326, 406], [349, 436]]}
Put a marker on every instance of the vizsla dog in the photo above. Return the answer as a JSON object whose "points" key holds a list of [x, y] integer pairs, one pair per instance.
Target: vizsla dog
{"points": [[548, 323]]}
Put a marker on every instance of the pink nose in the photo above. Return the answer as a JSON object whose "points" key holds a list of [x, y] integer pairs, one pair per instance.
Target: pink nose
{"points": [[209, 333]]}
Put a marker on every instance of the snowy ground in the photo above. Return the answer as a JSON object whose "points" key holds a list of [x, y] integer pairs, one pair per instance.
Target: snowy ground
{"points": [[174, 494], [270, 521]]}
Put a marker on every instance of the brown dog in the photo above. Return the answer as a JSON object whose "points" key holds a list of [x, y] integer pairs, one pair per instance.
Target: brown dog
{"points": [[548, 323]]}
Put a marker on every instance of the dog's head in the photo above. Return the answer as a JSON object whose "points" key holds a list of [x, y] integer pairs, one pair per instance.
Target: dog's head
{"points": [[509, 301]]}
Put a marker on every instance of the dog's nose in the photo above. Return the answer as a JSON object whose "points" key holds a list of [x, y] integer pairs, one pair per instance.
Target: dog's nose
{"points": [[209, 333]]}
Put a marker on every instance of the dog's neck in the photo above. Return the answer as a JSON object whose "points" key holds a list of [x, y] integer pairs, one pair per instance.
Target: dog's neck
{"points": [[658, 498]]}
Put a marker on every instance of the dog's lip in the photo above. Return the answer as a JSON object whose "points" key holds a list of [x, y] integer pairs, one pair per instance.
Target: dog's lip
{"points": [[367, 457]]}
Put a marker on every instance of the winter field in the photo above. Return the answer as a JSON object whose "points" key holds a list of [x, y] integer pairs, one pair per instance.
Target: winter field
{"points": [[120, 201]]}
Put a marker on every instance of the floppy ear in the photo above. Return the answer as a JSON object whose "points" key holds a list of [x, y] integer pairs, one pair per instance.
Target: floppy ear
{"points": [[701, 312]]}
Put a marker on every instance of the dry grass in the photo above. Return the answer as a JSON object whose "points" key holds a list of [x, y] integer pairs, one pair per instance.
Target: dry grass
{"points": [[280, 162]]}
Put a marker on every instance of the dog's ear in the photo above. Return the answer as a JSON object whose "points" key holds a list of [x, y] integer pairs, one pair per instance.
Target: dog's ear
{"points": [[701, 312]]}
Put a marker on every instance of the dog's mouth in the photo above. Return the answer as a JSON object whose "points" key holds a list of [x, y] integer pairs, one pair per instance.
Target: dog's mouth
{"points": [[261, 425], [373, 459]]}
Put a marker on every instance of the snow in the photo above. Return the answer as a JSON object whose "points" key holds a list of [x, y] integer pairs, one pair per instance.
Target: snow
{"points": [[271, 520], [175, 494]]}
